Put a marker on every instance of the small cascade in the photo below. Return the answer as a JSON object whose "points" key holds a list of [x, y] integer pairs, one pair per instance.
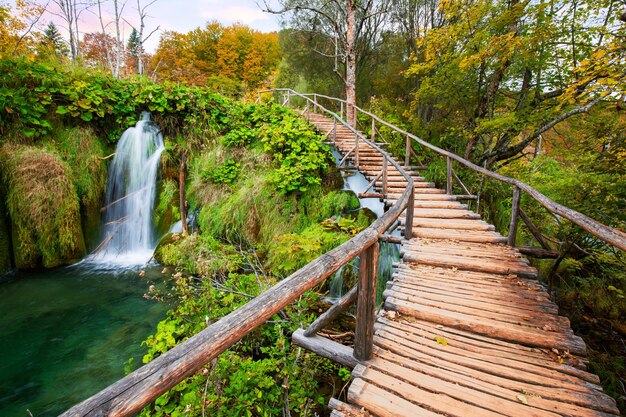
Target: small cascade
{"points": [[388, 252], [128, 223]]}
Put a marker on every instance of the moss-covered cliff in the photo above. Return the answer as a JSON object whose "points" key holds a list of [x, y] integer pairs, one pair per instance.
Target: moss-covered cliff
{"points": [[43, 207]]}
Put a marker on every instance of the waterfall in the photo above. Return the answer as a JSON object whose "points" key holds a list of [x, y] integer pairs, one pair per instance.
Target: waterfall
{"points": [[131, 191]]}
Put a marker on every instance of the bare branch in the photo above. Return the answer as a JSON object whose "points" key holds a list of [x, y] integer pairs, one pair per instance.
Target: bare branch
{"points": [[32, 25]]}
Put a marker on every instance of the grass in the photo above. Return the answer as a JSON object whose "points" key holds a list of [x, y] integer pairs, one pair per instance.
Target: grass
{"points": [[43, 205]]}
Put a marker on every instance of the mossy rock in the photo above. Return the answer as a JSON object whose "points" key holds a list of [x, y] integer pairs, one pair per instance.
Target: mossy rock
{"points": [[168, 239], [166, 209], [84, 151], [43, 206]]}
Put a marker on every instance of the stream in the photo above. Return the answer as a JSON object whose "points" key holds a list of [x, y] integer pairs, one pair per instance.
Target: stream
{"points": [[66, 334]]}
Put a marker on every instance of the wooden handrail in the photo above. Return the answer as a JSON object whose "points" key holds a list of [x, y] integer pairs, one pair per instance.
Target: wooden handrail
{"points": [[594, 227], [130, 394]]}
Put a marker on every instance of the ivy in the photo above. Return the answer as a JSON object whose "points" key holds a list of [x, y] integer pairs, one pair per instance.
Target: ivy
{"points": [[33, 96]]}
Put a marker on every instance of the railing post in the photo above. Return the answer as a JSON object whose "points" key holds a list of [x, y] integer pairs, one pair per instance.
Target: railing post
{"points": [[288, 98], [407, 156], [258, 99], [366, 303], [341, 110], [373, 129], [408, 227], [514, 217], [306, 110], [334, 130], [356, 150], [384, 176], [449, 176], [314, 103]]}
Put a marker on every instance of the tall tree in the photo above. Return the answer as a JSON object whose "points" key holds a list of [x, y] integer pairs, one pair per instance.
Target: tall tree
{"points": [[95, 47], [142, 37], [500, 73], [16, 26], [343, 25], [133, 50], [52, 41], [69, 11]]}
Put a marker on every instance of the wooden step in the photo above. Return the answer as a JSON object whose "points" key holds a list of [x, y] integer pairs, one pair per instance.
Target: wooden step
{"points": [[433, 213], [456, 224], [462, 236], [439, 205]]}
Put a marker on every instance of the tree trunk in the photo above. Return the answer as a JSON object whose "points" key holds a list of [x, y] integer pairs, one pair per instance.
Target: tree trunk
{"points": [[118, 41], [350, 63], [181, 187]]}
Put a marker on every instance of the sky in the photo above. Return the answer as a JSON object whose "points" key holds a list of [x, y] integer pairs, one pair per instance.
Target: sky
{"points": [[178, 15]]}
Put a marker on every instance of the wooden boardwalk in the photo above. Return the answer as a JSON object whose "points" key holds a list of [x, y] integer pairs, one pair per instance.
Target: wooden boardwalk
{"points": [[467, 330]]}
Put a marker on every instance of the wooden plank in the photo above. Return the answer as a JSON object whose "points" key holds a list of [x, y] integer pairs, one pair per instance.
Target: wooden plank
{"points": [[382, 403], [487, 346], [465, 224], [334, 311], [326, 348], [558, 400], [527, 317], [443, 396], [455, 205], [445, 214], [481, 309], [516, 293], [465, 236], [433, 399], [470, 264], [466, 252], [524, 335], [448, 356], [527, 288], [496, 298], [471, 340]]}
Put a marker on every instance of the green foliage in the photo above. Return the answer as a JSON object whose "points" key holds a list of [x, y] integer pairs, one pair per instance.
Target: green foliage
{"points": [[239, 137], [290, 252], [43, 205], [299, 151], [34, 96], [200, 255], [254, 377], [225, 173]]}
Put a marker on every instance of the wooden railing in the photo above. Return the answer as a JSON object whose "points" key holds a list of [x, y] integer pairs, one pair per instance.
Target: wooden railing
{"points": [[130, 394], [607, 234]]}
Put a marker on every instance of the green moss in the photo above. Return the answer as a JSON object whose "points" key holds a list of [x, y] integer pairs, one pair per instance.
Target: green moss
{"points": [[289, 252], [84, 152], [5, 239], [198, 255], [167, 210], [43, 206]]}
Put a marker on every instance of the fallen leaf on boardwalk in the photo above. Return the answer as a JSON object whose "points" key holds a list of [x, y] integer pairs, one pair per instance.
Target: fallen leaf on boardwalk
{"points": [[522, 398], [439, 326], [441, 340], [391, 314]]}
